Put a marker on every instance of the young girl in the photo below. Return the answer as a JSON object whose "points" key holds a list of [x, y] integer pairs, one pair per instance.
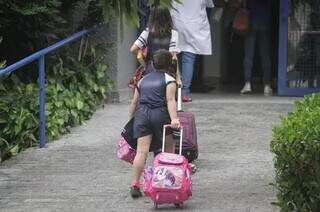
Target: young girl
{"points": [[158, 35], [153, 106]]}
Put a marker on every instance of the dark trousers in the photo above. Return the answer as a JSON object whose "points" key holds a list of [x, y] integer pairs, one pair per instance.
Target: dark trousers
{"points": [[262, 38]]}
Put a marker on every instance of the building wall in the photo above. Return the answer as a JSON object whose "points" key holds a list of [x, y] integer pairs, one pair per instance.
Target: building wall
{"points": [[126, 61], [212, 63], [116, 55]]}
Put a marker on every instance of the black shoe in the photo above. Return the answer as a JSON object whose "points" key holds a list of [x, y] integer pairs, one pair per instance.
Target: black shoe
{"points": [[135, 192]]}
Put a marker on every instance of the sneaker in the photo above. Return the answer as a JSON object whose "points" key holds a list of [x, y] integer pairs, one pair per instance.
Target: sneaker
{"points": [[268, 90], [246, 89], [186, 99], [135, 192]]}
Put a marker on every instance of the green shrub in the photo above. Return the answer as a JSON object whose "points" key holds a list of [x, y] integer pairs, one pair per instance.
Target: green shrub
{"points": [[296, 145], [73, 93]]}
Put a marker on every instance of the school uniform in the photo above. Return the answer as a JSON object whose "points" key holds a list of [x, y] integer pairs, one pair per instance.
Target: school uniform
{"points": [[153, 44], [152, 112]]}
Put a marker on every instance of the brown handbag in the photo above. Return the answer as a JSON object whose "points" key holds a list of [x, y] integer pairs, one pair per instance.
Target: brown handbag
{"points": [[241, 22]]}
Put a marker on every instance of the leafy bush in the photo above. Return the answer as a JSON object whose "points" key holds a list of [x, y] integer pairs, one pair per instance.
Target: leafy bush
{"points": [[73, 92], [29, 25], [128, 9], [35, 25], [296, 145]]}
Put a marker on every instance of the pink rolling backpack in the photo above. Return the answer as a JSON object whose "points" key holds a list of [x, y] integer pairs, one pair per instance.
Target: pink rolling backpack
{"points": [[169, 178]]}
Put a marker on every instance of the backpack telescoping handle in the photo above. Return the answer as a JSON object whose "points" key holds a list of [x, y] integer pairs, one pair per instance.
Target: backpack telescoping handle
{"points": [[179, 106], [164, 138]]}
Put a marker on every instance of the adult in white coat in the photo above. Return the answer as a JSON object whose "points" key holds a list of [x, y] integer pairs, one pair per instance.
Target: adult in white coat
{"points": [[191, 21]]}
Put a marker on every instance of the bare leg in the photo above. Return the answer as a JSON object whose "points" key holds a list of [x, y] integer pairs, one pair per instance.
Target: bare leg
{"points": [[169, 145], [141, 156]]}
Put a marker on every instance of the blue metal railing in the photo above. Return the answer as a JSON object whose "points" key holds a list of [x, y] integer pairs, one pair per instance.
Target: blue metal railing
{"points": [[40, 56]]}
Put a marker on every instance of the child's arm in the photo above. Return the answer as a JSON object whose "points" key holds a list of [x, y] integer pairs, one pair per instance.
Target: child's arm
{"points": [[134, 49], [172, 105], [134, 103], [140, 43], [174, 56]]}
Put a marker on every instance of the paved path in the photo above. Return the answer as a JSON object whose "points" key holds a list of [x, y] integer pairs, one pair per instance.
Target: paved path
{"points": [[80, 172]]}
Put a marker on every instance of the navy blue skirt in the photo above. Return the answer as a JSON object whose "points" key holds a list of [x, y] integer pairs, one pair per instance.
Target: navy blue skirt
{"points": [[150, 121]]}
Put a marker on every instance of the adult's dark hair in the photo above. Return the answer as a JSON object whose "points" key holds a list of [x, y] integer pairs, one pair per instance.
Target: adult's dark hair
{"points": [[162, 60], [160, 23]]}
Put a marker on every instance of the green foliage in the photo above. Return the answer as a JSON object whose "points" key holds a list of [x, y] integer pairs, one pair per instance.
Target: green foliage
{"points": [[128, 9], [2, 63], [35, 25], [27, 8], [40, 23], [29, 25], [73, 92], [296, 145], [73, 89]]}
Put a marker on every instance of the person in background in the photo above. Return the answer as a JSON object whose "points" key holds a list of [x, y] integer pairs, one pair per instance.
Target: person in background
{"points": [[158, 35], [153, 106], [260, 19], [191, 21]]}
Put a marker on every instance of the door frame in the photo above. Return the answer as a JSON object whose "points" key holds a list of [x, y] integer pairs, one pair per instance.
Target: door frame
{"points": [[283, 89]]}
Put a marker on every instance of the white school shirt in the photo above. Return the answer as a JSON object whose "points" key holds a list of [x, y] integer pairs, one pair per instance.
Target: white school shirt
{"points": [[142, 41], [191, 21]]}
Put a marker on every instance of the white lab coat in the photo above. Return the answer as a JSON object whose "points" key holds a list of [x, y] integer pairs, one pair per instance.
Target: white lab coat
{"points": [[191, 21]]}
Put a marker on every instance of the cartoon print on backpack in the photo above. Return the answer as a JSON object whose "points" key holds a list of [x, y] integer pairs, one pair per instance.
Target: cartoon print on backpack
{"points": [[167, 177]]}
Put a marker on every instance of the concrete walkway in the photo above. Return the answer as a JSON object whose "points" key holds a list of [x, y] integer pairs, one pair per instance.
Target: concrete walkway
{"points": [[80, 171]]}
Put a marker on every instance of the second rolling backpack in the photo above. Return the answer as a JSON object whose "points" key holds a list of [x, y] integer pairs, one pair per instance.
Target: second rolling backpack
{"points": [[189, 141]]}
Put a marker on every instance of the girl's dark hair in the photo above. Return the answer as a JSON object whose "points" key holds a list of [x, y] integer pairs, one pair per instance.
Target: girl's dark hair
{"points": [[160, 22], [162, 60]]}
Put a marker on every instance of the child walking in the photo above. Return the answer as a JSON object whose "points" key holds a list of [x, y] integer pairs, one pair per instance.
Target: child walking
{"points": [[159, 35], [153, 106]]}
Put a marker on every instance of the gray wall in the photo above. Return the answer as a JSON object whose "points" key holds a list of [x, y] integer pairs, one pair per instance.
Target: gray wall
{"points": [[126, 61], [212, 63], [121, 63]]}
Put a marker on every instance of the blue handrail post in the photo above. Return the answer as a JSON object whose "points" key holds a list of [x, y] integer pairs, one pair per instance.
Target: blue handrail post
{"points": [[42, 96]]}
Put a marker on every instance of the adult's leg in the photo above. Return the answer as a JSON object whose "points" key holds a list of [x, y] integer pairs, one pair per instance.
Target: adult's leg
{"points": [[249, 45], [141, 157], [264, 43], [187, 60]]}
